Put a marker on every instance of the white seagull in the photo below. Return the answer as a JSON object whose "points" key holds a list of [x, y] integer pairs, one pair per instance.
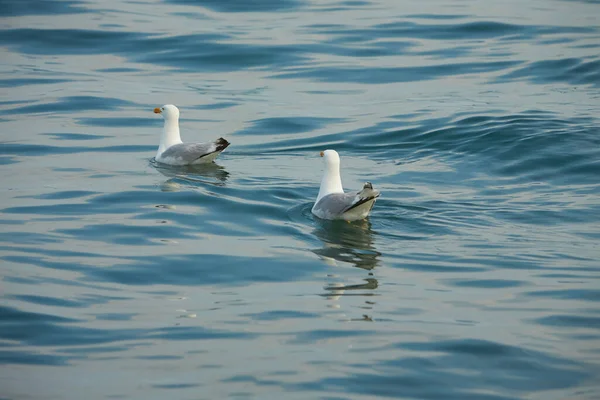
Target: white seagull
{"points": [[333, 203], [173, 151]]}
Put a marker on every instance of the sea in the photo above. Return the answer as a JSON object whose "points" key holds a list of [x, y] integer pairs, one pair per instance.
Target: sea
{"points": [[475, 277]]}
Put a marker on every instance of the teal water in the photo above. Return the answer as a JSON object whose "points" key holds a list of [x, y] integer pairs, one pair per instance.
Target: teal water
{"points": [[475, 277]]}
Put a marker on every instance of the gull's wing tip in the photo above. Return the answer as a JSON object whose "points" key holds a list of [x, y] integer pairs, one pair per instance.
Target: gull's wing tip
{"points": [[221, 144]]}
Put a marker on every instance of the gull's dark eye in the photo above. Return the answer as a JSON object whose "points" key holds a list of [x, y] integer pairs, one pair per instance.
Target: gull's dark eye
{"points": [[163, 108]]}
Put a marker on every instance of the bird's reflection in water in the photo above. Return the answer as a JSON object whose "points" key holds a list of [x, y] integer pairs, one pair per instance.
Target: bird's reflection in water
{"points": [[348, 243], [210, 173], [345, 242]]}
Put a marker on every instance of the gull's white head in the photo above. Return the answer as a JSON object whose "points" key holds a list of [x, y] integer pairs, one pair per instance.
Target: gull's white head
{"points": [[170, 135], [168, 111], [331, 158], [331, 182]]}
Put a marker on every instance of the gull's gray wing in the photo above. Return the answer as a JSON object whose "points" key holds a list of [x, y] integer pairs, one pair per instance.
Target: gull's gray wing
{"points": [[336, 204], [188, 153]]}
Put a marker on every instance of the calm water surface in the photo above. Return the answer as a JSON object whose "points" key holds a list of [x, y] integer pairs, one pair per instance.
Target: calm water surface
{"points": [[476, 276]]}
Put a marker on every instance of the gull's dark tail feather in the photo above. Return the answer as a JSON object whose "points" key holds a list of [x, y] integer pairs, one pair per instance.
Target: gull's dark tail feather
{"points": [[365, 195], [221, 144], [368, 191]]}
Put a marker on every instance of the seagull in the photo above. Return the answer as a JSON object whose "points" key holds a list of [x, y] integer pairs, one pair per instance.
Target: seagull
{"points": [[173, 151], [333, 203]]}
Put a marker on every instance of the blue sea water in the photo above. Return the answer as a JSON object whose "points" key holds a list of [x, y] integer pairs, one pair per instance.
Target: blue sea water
{"points": [[475, 277]]}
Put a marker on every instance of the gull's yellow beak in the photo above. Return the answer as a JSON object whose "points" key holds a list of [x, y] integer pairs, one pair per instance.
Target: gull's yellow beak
{"points": [[321, 154], [157, 110]]}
